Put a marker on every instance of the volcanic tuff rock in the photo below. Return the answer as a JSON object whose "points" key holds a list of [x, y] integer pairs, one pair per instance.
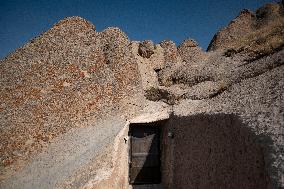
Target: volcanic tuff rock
{"points": [[67, 77], [238, 27], [67, 93], [190, 52], [244, 29], [172, 61]]}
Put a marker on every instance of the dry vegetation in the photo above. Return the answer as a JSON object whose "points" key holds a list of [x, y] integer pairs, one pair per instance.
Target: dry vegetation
{"points": [[156, 94], [261, 42]]}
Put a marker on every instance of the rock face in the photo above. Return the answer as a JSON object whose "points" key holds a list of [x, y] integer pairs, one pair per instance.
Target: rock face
{"points": [[65, 78], [190, 52], [172, 61], [240, 26], [68, 95], [249, 25]]}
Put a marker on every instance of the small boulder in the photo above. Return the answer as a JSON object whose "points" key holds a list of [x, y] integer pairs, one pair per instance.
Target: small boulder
{"points": [[146, 49]]}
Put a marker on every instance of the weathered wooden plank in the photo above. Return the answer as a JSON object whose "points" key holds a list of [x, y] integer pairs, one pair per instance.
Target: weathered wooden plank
{"points": [[144, 167]]}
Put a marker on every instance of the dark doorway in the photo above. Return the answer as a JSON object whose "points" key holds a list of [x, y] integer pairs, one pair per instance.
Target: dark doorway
{"points": [[144, 154]]}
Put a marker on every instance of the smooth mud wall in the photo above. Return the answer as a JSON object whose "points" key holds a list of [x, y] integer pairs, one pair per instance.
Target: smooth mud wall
{"points": [[212, 151]]}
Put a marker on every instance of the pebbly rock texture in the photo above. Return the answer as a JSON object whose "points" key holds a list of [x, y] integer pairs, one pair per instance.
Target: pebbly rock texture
{"points": [[190, 52], [69, 95], [172, 61], [68, 77], [240, 26], [218, 73], [258, 101], [146, 49], [149, 68], [269, 13], [210, 73], [256, 33]]}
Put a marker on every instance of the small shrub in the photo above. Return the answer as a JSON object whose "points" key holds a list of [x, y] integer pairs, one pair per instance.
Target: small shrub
{"points": [[230, 52], [156, 94]]}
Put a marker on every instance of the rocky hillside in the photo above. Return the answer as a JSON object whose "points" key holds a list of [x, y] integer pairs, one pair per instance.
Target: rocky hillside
{"points": [[73, 77], [67, 77], [257, 34], [235, 53]]}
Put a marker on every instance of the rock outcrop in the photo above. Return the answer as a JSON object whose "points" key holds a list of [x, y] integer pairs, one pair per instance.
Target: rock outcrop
{"points": [[190, 52], [240, 26], [68, 96], [68, 77], [249, 30]]}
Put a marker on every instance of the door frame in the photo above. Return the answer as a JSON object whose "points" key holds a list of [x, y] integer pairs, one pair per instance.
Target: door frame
{"points": [[159, 128]]}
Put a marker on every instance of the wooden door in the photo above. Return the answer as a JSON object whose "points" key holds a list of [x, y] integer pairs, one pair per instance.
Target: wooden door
{"points": [[144, 165]]}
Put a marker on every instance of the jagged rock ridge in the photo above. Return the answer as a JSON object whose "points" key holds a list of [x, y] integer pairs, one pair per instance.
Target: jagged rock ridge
{"points": [[67, 77], [73, 77]]}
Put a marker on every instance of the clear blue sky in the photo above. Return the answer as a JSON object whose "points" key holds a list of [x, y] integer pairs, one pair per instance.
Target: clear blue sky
{"points": [[22, 20]]}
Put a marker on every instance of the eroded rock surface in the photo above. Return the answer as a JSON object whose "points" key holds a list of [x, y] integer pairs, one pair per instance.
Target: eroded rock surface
{"points": [[72, 81], [257, 33], [68, 77]]}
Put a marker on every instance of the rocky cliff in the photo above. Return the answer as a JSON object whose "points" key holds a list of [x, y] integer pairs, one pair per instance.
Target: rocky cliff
{"points": [[67, 77], [75, 84]]}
